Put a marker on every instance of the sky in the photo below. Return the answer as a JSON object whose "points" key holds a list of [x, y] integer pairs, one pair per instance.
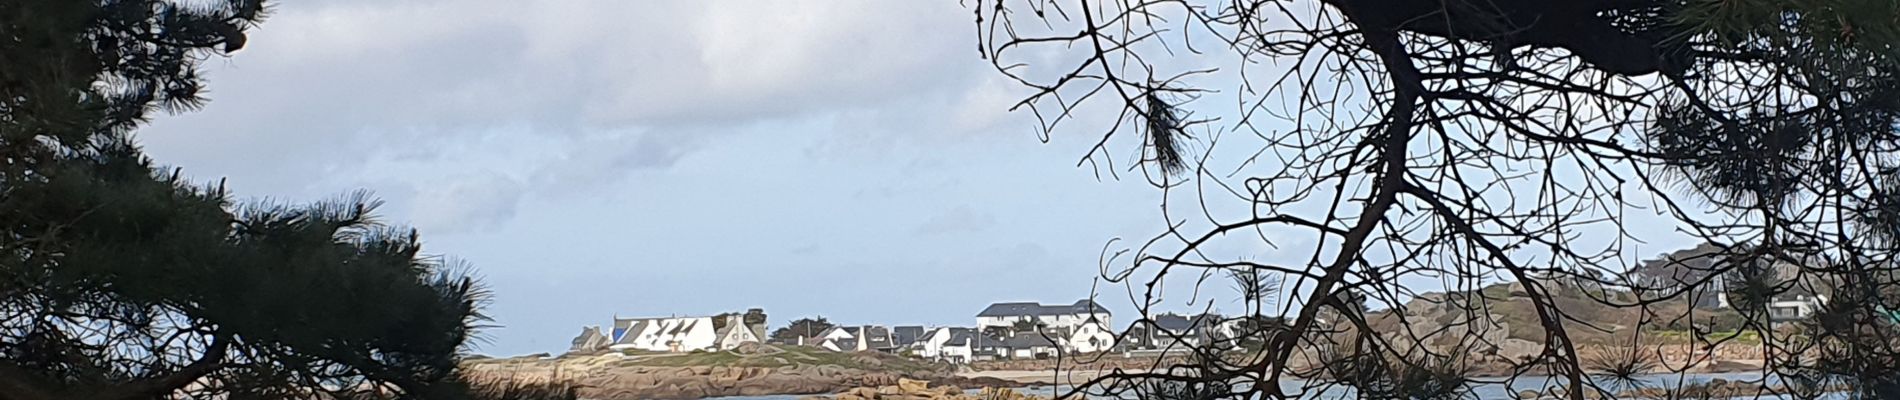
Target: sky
{"points": [[850, 159]]}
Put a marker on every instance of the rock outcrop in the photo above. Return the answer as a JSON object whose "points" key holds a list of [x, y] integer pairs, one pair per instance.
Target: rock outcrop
{"points": [[907, 389], [618, 377]]}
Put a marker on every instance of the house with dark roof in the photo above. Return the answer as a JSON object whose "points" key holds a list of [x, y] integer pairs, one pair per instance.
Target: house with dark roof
{"points": [[589, 340], [735, 332], [1083, 326], [949, 344], [1171, 331], [962, 345], [678, 334], [673, 334], [857, 338], [1027, 346], [906, 336]]}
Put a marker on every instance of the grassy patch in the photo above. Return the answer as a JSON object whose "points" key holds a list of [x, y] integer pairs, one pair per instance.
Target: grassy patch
{"points": [[788, 356], [1681, 336]]}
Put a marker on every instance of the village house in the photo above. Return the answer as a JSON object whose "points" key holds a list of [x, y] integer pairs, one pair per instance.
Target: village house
{"points": [[1169, 331], [930, 345], [1794, 307], [1027, 346], [1082, 327], [905, 337], [965, 345], [856, 338], [671, 334], [590, 339]]}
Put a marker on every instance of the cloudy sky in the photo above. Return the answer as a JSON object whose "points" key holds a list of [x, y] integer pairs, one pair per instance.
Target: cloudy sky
{"points": [[594, 158]]}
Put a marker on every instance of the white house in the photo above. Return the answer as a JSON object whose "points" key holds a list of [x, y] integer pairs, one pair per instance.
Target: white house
{"points": [[1054, 316], [1796, 308], [736, 333], [1176, 332], [1028, 346], [679, 334], [935, 344], [836, 333], [966, 345], [855, 338], [1079, 327], [674, 334], [1089, 338]]}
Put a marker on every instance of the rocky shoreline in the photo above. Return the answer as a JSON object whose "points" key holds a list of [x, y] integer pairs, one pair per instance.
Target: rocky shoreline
{"points": [[906, 389], [767, 370], [612, 377]]}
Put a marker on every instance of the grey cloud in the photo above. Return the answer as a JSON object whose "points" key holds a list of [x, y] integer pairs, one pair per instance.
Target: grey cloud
{"points": [[471, 203], [326, 88]]}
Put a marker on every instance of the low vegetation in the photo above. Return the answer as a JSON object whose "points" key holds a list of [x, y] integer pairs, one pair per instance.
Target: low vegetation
{"points": [[768, 356]]}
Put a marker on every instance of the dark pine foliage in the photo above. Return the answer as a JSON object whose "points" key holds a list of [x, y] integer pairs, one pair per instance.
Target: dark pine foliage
{"points": [[121, 280]]}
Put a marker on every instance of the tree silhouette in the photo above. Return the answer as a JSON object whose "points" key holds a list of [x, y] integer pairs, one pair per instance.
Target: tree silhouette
{"points": [[1475, 142], [121, 280], [802, 327]]}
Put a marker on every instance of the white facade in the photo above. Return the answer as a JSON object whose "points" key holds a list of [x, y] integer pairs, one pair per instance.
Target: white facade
{"points": [[665, 334], [1069, 320], [737, 333], [1090, 338], [1801, 307], [835, 332], [955, 353], [1085, 324], [931, 344], [1029, 353]]}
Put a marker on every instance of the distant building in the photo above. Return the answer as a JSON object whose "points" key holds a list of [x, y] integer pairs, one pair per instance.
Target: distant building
{"points": [[675, 334], [1080, 327], [1028, 346], [736, 332], [836, 333], [1685, 268], [589, 340], [856, 338], [932, 344], [966, 345], [1170, 331], [905, 337], [1008, 314]]}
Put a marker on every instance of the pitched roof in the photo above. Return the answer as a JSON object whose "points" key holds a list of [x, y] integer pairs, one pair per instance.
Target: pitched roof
{"points": [[1025, 341], [728, 330], [906, 335], [1183, 324], [972, 338], [877, 337], [1021, 309], [949, 333], [844, 345], [589, 339], [848, 331], [632, 330]]}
